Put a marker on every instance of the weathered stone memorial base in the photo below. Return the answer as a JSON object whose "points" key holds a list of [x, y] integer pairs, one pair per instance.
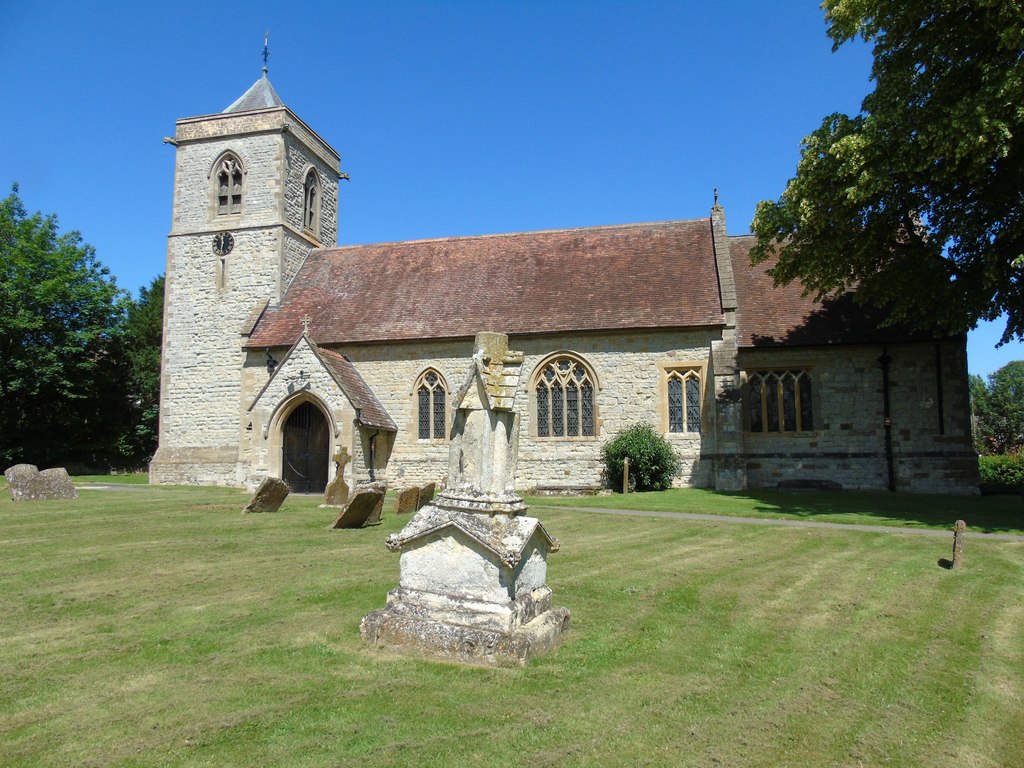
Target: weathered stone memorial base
{"points": [[400, 628], [472, 589]]}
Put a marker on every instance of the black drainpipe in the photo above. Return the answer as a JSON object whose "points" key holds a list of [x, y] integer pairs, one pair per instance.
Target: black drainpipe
{"points": [[884, 361]]}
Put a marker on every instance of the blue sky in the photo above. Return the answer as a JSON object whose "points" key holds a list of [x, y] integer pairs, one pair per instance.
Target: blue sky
{"points": [[452, 118]]}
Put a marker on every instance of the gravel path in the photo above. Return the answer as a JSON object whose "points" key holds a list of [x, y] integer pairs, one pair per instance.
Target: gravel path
{"points": [[790, 523]]}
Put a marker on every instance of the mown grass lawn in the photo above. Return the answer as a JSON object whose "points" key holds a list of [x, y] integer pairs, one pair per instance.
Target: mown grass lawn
{"points": [[161, 627]]}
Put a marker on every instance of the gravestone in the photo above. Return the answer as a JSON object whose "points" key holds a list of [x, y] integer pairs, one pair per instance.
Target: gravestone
{"points": [[364, 509], [336, 494], [473, 567], [268, 497], [426, 495], [27, 483], [406, 500]]}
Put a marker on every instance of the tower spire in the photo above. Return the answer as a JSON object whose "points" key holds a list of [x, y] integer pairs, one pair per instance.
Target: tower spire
{"points": [[266, 50]]}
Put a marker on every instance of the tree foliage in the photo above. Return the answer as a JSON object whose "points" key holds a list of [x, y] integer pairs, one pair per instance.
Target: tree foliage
{"points": [[916, 201], [998, 410], [71, 370], [652, 462], [143, 332]]}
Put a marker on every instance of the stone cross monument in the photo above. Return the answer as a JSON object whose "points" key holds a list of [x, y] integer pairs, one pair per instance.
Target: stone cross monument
{"points": [[473, 566]]}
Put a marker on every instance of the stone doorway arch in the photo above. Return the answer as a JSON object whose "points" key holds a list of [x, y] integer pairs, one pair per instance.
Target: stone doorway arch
{"points": [[305, 449]]}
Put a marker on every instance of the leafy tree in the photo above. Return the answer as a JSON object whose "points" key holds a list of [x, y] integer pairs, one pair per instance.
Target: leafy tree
{"points": [[652, 462], [999, 410], [61, 381], [143, 331], [916, 201]]}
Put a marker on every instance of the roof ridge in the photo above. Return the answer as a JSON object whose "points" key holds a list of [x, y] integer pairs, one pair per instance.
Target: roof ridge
{"points": [[498, 235]]}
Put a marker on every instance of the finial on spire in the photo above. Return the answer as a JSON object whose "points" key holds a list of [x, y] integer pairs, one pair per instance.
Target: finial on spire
{"points": [[266, 50], [716, 195]]}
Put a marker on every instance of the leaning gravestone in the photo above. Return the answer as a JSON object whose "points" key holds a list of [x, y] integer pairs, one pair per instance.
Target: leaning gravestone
{"points": [[269, 496], [406, 500], [425, 495], [27, 483], [363, 510]]}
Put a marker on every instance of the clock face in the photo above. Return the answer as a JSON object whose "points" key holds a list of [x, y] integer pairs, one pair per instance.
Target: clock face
{"points": [[223, 242]]}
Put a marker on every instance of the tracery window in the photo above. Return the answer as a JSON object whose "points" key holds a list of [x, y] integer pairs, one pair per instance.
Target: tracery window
{"points": [[780, 401], [564, 391], [311, 203], [431, 398], [229, 185], [684, 400]]}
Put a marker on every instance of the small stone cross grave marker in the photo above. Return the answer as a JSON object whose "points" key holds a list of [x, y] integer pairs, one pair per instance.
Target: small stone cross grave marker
{"points": [[337, 492]]}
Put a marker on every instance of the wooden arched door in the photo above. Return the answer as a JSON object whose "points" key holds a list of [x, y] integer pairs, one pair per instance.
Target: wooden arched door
{"points": [[306, 446]]}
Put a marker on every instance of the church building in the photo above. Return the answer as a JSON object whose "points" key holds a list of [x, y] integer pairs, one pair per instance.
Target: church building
{"points": [[283, 350]]}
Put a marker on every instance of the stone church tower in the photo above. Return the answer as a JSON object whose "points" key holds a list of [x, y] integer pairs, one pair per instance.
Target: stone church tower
{"points": [[255, 190]]}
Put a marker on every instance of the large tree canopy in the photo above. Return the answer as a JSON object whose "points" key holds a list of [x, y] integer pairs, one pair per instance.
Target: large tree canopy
{"points": [[62, 383], [918, 201]]}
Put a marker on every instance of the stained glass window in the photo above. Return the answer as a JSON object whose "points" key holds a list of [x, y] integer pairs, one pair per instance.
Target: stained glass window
{"points": [[684, 400], [431, 397], [780, 401], [692, 404], [543, 412], [565, 399], [675, 405], [424, 414]]}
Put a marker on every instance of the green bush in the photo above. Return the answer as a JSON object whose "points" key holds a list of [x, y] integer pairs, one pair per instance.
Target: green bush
{"points": [[1002, 473], [652, 462]]}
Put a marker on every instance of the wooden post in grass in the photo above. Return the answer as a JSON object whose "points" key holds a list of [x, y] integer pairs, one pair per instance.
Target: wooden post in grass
{"points": [[959, 531], [625, 475]]}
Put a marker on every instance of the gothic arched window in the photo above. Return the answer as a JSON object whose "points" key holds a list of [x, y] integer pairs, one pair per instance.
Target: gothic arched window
{"points": [[564, 394], [311, 203], [228, 184], [431, 404], [779, 401], [683, 400]]}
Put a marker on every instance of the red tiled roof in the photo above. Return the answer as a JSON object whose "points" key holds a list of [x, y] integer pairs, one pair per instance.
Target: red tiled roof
{"points": [[371, 412], [603, 278], [780, 316]]}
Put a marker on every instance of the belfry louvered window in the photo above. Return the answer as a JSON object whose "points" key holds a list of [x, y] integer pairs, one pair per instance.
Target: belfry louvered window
{"points": [[780, 401], [431, 401], [683, 400], [229, 185], [564, 389], [311, 203]]}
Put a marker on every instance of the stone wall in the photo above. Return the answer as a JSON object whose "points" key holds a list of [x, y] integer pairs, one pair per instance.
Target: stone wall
{"points": [[931, 445], [298, 160], [629, 371], [845, 446]]}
